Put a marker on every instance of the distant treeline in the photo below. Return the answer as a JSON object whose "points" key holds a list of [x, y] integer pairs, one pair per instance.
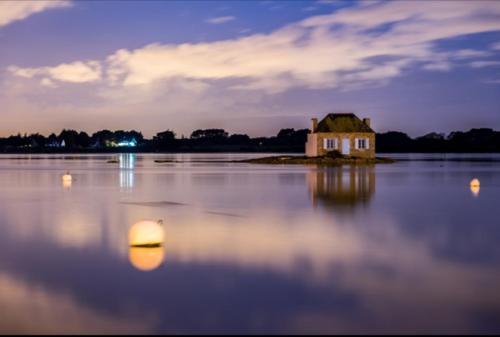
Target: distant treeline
{"points": [[218, 140], [209, 140], [474, 140]]}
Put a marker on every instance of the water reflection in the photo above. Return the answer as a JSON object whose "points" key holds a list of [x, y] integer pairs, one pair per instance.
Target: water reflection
{"points": [[282, 267], [341, 187], [33, 309], [146, 258], [475, 190], [67, 184], [127, 167]]}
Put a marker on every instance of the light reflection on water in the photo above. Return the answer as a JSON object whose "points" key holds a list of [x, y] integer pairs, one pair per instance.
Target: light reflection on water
{"points": [[127, 167], [391, 248]]}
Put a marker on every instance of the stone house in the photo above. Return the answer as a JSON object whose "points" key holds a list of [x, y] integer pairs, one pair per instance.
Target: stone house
{"points": [[342, 132]]}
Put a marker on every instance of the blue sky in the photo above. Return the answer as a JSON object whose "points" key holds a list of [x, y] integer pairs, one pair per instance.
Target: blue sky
{"points": [[248, 66]]}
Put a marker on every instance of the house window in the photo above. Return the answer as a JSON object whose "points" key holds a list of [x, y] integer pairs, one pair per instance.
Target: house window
{"points": [[330, 143], [362, 143]]}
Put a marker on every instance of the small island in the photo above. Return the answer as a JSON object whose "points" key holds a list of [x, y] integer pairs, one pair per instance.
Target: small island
{"points": [[327, 160], [339, 139]]}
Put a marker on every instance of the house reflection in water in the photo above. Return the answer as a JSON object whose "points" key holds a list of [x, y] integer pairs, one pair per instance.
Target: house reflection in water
{"points": [[342, 187]]}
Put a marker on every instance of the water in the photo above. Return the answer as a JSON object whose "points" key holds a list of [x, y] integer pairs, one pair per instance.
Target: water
{"points": [[407, 247]]}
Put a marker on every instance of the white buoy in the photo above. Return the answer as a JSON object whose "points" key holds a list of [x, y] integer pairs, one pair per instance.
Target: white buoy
{"points": [[146, 251], [475, 187], [67, 177], [146, 234]]}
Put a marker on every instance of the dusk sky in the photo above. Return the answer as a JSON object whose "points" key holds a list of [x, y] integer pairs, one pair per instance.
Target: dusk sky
{"points": [[249, 67]]}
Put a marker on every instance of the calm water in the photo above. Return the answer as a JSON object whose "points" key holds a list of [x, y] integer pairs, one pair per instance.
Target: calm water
{"points": [[406, 247]]}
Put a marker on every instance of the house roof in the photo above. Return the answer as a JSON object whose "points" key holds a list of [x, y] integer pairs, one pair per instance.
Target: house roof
{"points": [[342, 122]]}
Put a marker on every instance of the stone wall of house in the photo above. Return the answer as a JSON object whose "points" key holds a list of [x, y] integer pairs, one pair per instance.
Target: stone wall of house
{"points": [[314, 146]]}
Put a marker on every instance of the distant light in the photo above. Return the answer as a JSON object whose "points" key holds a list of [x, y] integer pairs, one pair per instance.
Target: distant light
{"points": [[127, 143]]}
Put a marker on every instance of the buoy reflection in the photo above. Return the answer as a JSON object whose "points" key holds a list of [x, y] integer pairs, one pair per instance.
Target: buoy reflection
{"points": [[146, 259], [146, 239], [475, 190]]}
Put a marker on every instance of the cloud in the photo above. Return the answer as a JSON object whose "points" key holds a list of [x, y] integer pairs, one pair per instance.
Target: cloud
{"points": [[11, 11], [494, 81], [470, 53], [362, 45], [76, 72], [327, 2], [438, 66], [495, 46], [484, 64], [221, 19], [309, 9], [48, 83]]}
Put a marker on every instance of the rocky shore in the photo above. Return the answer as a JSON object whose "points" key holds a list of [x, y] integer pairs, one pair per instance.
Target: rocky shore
{"points": [[324, 160]]}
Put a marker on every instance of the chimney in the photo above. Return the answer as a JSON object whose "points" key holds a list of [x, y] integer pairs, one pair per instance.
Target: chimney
{"points": [[314, 124], [366, 121]]}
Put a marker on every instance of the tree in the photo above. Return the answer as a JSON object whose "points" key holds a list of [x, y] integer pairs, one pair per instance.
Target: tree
{"points": [[70, 138], [37, 140], [83, 140], [101, 138], [209, 133], [239, 139], [165, 139], [393, 141]]}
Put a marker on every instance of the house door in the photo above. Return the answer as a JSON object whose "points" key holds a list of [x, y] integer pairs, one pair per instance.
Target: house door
{"points": [[346, 146]]}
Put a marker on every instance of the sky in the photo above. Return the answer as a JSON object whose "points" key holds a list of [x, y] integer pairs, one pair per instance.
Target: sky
{"points": [[250, 67]]}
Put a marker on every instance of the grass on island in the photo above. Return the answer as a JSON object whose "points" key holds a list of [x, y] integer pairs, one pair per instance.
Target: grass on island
{"points": [[329, 159]]}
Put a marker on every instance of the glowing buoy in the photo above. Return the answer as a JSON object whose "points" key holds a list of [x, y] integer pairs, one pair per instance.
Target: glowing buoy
{"points": [[475, 183], [67, 180], [146, 240], [475, 186], [146, 234]]}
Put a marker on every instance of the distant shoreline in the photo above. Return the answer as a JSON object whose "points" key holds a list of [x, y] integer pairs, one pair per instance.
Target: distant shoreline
{"points": [[220, 141], [221, 151], [288, 158], [322, 161]]}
